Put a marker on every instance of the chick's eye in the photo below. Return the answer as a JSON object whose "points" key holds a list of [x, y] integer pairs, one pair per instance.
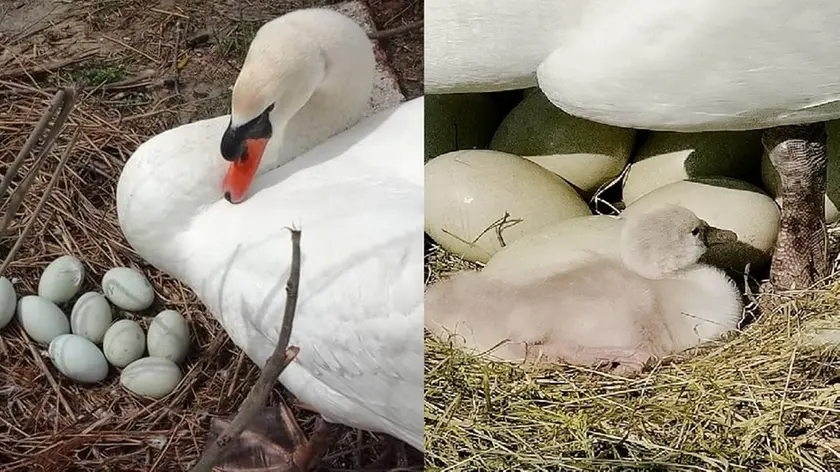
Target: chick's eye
{"points": [[695, 231]]}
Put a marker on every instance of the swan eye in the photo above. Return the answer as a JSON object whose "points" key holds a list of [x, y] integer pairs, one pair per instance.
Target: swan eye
{"points": [[696, 231]]}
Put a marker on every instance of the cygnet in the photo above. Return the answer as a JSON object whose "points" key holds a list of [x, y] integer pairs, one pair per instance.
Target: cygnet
{"points": [[657, 300]]}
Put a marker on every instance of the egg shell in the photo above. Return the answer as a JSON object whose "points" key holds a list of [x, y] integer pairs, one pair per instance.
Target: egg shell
{"points": [[61, 279], [91, 317], [41, 319], [128, 289], [467, 192], [457, 121], [8, 301], [667, 157], [151, 376], [770, 177], [728, 204], [585, 153], [556, 248], [124, 343], [168, 336], [78, 358]]}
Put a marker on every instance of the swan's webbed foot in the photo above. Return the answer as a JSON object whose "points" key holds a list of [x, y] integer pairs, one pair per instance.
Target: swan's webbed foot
{"points": [[272, 442], [799, 155]]}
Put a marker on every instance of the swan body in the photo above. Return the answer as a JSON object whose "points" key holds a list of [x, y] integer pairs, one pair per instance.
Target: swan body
{"points": [[357, 197], [656, 301], [696, 65]]}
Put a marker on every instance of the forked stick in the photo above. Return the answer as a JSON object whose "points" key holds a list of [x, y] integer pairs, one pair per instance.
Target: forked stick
{"points": [[41, 203], [65, 99], [282, 356]]}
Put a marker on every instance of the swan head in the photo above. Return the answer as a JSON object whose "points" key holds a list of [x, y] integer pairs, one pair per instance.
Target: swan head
{"points": [[282, 70], [667, 239]]}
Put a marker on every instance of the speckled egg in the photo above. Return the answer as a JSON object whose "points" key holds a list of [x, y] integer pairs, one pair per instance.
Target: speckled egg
{"points": [[478, 201], [41, 319], [128, 289], [8, 301], [61, 279], [124, 343], [168, 336], [91, 317], [78, 358], [151, 376]]}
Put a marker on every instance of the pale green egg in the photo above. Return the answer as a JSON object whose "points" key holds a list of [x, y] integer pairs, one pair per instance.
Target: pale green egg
{"points": [[151, 377], [61, 280], [8, 301], [168, 336], [91, 317], [41, 319], [128, 289], [78, 358], [124, 343]]}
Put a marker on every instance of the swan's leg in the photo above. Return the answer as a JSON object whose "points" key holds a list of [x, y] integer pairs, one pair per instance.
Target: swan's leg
{"points": [[799, 155], [272, 442]]}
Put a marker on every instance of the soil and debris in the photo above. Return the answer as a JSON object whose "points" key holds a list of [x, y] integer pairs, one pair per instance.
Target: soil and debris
{"points": [[143, 67]]}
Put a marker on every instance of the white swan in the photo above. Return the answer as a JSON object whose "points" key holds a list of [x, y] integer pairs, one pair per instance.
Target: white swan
{"points": [[694, 65], [656, 300], [357, 197]]}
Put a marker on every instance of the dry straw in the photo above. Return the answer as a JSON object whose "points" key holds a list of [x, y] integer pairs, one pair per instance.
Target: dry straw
{"points": [[764, 399], [50, 423]]}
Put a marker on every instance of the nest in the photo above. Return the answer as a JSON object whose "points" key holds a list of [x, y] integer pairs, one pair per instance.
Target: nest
{"points": [[762, 399], [49, 422]]}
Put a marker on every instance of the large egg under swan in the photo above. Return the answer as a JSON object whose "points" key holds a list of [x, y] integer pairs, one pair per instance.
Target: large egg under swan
{"points": [[478, 201]]}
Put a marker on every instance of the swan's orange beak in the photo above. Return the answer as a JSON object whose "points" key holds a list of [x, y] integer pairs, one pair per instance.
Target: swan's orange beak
{"points": [[241, 173]]}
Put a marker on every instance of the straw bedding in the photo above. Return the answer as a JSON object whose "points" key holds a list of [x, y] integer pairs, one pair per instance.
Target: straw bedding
{"points": [[48, 422], [764, 399]]}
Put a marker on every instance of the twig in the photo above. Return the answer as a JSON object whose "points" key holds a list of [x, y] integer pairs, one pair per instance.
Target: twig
{"points": [[49, 376], [388, 33], [33, 138], [282, 356], [177, 46], [42, 203], [66, 99], [130, 48], [48, 66]]}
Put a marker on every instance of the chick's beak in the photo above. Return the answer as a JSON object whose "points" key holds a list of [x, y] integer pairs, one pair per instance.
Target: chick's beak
{"points": [[714, 236]]}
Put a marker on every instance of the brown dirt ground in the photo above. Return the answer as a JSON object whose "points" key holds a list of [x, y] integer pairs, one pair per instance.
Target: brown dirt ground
{"points": [[147, 66]]}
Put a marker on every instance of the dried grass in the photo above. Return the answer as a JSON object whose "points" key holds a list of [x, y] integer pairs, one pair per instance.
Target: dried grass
{"points": [[48, 422], [764, 399]]}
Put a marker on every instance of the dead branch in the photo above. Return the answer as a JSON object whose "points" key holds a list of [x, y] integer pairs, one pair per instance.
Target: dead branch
{"points": [[48, 66], [389, 33], [65, 99], [282, 356]]}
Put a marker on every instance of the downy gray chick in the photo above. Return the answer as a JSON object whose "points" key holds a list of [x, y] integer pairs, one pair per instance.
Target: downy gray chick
{"points": [[657, 300]]}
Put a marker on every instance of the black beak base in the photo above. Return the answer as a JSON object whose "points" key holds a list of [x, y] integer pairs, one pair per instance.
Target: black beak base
{"points": [[233, 139]]}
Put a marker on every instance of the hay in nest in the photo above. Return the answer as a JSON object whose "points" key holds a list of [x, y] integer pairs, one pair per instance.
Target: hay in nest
{"points": [[763, 399], [48, 422]]}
